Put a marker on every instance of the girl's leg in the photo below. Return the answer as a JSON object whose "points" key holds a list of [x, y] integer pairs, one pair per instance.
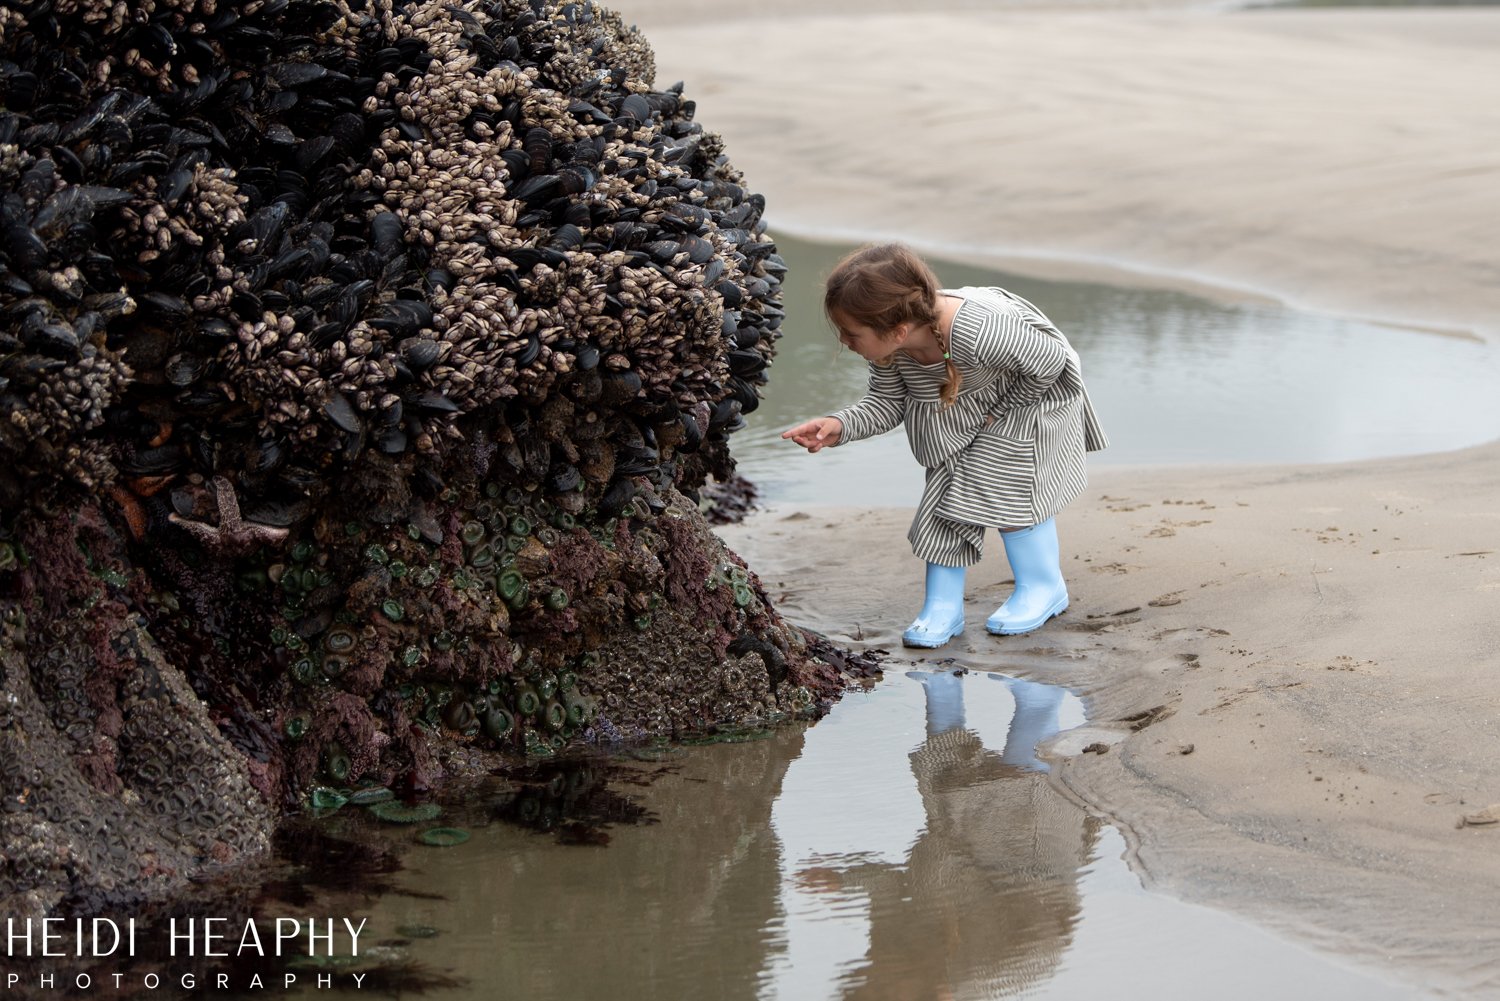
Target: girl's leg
{"points": [[949, 548], [1040, 590]]}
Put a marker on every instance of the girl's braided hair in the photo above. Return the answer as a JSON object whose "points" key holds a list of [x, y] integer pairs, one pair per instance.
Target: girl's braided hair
{"points": [[883, 286]]}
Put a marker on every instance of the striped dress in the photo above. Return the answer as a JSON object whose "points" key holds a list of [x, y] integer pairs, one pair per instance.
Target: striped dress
{"points": [[1010, 451]]}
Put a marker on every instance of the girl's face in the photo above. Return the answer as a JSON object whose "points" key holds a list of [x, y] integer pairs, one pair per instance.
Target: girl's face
{"points": [[867, 342]]}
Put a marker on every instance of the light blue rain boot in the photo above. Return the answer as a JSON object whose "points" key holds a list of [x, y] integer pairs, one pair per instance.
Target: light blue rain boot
{"points": [[1040, 590], [942, 616]]}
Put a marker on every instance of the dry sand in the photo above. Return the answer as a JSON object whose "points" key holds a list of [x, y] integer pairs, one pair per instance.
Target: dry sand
{"points": [[1323, 638]]}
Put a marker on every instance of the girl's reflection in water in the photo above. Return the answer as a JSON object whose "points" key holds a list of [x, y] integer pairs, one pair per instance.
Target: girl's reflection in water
{"points": [[982, 901]]}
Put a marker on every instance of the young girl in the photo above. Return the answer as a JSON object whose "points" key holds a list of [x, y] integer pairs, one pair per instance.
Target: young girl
{"points": [[995, 408]]}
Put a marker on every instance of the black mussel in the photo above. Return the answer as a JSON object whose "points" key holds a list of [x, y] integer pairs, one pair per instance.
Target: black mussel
{"points": [[637, 107], [342, 413], [532, 189], [620, 493], [404, 317], [724, 413], [280, 513], [567, 237], [312, 151], [529, 352], [517, 163], [620, 387], [589, 112], [184, 369], [13, 284], [564, 479], [575, 179], [698, 249], [434, 402], [165, 304], [744, 393], [297, 74], [663, 251], [745, 363], [538, 146], [154, 461], [58, 340], [266, 455], [733, 295], [391, 440], [386, 231], [420, 353], [692, 435], [25, 248]]}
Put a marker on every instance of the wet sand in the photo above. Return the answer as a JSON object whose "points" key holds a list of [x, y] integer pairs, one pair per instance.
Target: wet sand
{"points": [[1313, 648], [1334, 159]]}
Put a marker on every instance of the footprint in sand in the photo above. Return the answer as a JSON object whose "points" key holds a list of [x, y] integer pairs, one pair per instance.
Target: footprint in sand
{"points": [[1168, 527]]}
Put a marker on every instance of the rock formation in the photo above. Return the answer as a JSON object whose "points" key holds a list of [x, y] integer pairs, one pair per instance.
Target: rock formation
{"points": [[361, 365]]}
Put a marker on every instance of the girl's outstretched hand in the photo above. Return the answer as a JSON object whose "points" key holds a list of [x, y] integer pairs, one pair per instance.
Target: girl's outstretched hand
{"points": [[820, 432]]}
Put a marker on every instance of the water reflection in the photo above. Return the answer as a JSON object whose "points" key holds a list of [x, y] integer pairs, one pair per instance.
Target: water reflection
{"points": [[961, 881], [908, 845], [1176, 378]]}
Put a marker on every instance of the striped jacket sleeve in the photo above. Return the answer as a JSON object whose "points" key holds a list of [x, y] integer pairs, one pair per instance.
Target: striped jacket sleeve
{"points": [[882, 409], [1007, 340]]}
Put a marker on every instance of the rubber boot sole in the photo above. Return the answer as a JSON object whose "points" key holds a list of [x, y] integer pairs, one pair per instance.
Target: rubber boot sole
{"points": [[1016, 630], [929, 643]]}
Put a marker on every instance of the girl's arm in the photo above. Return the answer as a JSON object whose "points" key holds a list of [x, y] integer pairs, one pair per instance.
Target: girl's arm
{"points": [[1036, 357], [882, 409]]}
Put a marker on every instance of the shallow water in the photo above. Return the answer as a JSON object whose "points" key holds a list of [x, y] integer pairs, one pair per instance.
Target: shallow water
{"points": [[1175, 379], [906, 846]]}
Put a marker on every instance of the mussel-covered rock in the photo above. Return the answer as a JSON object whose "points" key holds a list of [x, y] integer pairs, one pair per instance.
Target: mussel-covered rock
{"points": [[360, 366]]}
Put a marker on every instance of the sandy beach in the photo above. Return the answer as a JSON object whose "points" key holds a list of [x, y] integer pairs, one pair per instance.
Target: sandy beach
{"points": [[1293, 669]]}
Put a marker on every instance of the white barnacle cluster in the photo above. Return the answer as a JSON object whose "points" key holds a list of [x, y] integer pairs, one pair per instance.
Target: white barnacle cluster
{"points": [[278, 238]]}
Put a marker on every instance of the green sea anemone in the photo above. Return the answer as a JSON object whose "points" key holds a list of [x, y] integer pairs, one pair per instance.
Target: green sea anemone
{"points": [[336, 762], [371, 796], [395, 812], [527, 700], [392, 609], [557, 599], [339, 640], [324, 798], [498, 722], [443, 837]]}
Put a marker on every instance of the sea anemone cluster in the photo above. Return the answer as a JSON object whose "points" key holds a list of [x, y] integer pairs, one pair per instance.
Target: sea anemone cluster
{"points": [[362, 361]]}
